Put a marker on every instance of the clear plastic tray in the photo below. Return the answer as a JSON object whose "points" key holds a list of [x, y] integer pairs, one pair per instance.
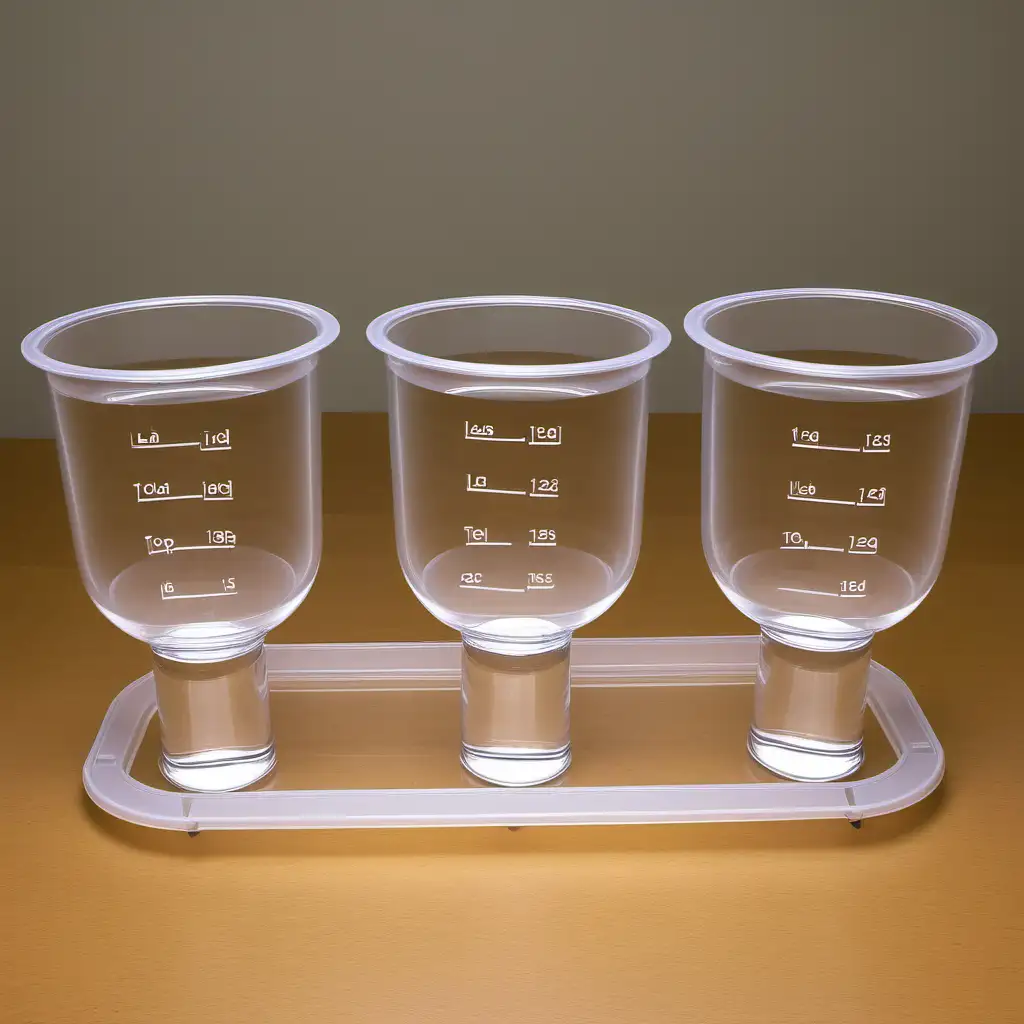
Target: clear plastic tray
{"points": [[368, 737]]}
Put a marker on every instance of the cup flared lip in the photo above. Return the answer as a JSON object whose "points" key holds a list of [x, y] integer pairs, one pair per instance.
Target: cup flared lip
{"points": [[984, 338], [33, 348], [658, 337]]}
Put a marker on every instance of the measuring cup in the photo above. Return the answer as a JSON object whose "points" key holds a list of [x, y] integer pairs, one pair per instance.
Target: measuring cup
{"points": [[518, 440], [834, 422], [189, 439]]}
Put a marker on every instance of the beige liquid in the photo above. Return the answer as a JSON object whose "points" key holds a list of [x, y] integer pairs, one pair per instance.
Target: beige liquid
{"points": [[556, 551], [889, 497], [242, 550]]}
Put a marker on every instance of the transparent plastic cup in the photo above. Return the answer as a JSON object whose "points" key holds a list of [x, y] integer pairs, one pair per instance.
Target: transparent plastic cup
{"points": [[518, 441], [834, 422], [189, 438]]}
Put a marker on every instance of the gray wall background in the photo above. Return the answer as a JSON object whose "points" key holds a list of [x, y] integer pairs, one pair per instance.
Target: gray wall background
{"points": [[360, 154]]}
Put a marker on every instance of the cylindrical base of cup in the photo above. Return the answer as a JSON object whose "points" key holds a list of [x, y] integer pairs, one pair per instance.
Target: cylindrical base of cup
{"points": [[515, 714], [808, 722], [215, 725]]}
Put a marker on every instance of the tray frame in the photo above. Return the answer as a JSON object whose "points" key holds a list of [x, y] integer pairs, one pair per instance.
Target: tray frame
{"points": [[299, 667]]}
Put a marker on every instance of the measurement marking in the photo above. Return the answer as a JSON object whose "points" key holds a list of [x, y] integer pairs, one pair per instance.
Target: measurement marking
{"points": [[488, 543], [137, 441], [491, 490], [540, 586], [816, 593], [172, 497], [184, 597], [867, 504], [541, 436], [483, 437], [186, 444], [822, 501], [852, 552], [808, 547], [868, 451], [503, 590], [538, 494], [168, 444], [228, 498], [543, 544], [853, 595], [827, 447], [202, 547]]}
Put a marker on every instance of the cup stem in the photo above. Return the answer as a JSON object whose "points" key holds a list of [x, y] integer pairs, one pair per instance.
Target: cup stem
{"points": [[214, 722], [515, 713], [809, 710]]}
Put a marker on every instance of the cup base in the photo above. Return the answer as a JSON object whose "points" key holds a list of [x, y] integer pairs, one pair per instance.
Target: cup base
{"points": [[218, 771], [803, 759], [503, 767]]}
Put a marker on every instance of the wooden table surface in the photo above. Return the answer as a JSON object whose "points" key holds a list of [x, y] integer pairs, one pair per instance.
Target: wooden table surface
{"points": [[916, 917]]}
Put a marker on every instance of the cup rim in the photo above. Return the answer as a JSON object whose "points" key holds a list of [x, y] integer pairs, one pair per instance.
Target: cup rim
{"points": [[658, 336], [34, 344], [983, 336]]}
